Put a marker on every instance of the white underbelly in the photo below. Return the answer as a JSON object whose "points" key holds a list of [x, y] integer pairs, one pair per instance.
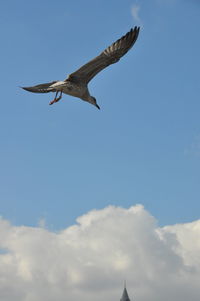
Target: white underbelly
{"points": [[70, 88]]}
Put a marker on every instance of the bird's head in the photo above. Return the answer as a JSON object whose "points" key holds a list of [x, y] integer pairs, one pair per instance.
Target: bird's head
{"points": [[94, 102]]}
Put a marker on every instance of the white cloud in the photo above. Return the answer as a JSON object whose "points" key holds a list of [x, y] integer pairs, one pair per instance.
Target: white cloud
{"points": [[135, 9], [90, 260]]}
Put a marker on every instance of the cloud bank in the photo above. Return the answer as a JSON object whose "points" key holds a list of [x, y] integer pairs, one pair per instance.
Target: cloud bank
{"points": [[90, 260]]}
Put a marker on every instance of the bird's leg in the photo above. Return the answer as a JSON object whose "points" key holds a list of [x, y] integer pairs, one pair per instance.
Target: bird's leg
{"points": [[56, 99], [60, 96]]}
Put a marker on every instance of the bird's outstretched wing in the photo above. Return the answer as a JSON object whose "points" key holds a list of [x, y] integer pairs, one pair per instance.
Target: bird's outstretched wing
{"points": [[42, 88], [109, 56]]}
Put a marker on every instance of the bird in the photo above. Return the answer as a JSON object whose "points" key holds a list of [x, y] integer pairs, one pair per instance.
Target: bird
{"points": [[76, 84]]}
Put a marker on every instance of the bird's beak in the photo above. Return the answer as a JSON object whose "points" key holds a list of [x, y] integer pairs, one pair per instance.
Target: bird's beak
{"points": [[98, 107]]}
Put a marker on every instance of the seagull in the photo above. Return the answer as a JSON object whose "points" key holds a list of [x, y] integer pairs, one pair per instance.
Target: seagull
{"points": [[76, 84]]}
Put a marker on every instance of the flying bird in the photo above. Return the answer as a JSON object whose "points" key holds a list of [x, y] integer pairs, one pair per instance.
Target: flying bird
{"points": [[76, 84]]}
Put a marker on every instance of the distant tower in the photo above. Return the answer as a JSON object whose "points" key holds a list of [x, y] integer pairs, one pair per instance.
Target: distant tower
{"points": [[125, 296]]}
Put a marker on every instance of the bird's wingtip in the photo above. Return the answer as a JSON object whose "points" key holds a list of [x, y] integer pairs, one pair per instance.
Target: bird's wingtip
{"points": [[24, 88], [137, 28]]}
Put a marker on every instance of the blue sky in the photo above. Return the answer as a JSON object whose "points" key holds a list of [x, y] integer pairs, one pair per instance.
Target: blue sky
{"points": [[58, 162]]}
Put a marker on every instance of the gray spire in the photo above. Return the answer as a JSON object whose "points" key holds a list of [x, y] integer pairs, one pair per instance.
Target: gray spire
{"points": [[125, 296]]}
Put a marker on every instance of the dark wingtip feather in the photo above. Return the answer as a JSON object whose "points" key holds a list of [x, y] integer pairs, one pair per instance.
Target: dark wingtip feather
{"points": [[25, 88], [41, 88], [29, 89]]}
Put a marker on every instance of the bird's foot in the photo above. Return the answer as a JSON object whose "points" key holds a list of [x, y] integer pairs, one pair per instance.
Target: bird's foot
{"points": [[54, 100]]}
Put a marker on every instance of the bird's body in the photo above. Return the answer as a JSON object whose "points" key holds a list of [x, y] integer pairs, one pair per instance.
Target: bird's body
{"points": [[76, 84], [74, 89]]}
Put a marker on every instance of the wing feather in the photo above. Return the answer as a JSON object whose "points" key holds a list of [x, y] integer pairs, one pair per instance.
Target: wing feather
{"points": [[110, 55], [42, 88]]}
